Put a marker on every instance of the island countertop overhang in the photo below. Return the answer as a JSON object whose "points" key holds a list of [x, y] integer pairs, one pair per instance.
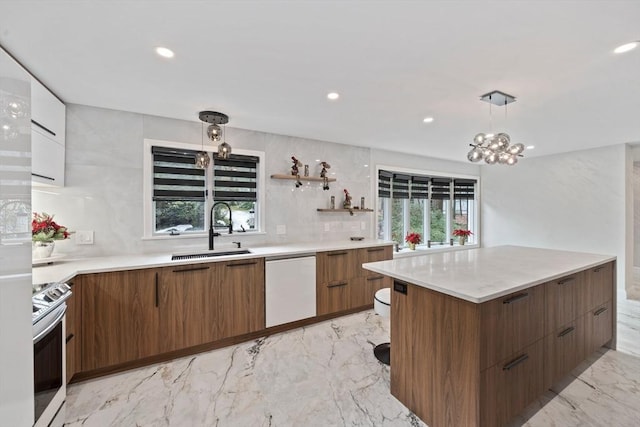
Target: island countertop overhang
{"points": [[483, 274]]}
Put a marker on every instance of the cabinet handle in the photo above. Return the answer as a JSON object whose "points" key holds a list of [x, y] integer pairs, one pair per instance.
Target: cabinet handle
{"points": [[241, 264], [44, 128], [191, 269], [69, 338], [43, 176], [371, 279], [516, 298], [157, 298], [600, 311], [375, 249], [565, 281], [337, 285], [515, 362], [566, 331], [337, 253]]}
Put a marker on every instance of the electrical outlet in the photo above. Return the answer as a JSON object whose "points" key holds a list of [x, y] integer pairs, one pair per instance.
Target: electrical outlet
{"points": [[281, 229], [84, 237]]}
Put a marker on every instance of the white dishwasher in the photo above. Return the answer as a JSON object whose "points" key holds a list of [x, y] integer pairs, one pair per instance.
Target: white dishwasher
{"points": [[290, 289]]}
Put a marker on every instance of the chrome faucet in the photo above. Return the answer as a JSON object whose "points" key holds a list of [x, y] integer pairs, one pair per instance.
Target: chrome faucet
{"points": [[212, 233]]}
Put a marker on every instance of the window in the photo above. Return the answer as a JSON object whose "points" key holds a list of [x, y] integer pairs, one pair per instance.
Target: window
{"points": [[433, 206], [180, 195]]}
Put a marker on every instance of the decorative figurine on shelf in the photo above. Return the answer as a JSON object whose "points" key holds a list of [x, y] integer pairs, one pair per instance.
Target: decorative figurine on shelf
{"points": [[323, 175], [347, 202], [294, 170]]}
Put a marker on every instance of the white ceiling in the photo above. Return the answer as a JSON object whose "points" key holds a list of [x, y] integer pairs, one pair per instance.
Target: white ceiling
{"points": [[270, 64]]}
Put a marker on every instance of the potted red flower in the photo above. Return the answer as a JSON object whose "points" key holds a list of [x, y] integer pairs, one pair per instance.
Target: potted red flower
{"points": [[44, 230], [462, 235], [413, 239]]}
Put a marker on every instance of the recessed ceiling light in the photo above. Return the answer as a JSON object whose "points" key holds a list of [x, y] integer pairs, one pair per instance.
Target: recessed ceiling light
{"points": [[626, 47], [333, 96], [164, 52], [428, 119], [530, 147]]}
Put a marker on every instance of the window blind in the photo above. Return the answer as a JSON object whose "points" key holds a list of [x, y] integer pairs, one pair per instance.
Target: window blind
{"points": [[419, 187], [384, 184], [235, 179], [464, 189], [440, 188], [400, 186], [175, 175]]}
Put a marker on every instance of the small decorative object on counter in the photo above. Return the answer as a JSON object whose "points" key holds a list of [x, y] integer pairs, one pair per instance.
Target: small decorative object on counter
{"points": [[44, 230], [333, 202], [361, 202], [306, 170], [412, 240], [347, 201], [294, 170], [451, 241], [323, 175], [462, 235], [428, 243]]}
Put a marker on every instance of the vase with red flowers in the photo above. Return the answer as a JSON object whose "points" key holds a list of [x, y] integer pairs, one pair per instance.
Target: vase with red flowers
{"points": [[462, 235], [412, 240], [44, 231]]}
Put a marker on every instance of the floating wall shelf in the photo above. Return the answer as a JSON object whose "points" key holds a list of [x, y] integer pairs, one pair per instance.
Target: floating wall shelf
{"points": [[345, 210], [302, 178]]}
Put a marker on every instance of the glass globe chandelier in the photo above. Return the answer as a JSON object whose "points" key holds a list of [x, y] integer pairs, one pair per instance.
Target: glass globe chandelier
{"points": [[215, 134], [495, 148]]}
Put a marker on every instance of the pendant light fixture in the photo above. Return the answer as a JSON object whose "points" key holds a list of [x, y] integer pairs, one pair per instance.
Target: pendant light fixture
{"points": [[202, 157], [495, 148], [214, 132]]}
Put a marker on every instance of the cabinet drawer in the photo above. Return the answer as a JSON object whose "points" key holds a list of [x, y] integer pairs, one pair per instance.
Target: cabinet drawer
{"points": [[335, 265], [564, 301], [363, 289], [379, 253], [48, 112], [47, 160], [510, 385], [599, 285], [510, 323], [563, 350], [333, 297], [599, 326]]}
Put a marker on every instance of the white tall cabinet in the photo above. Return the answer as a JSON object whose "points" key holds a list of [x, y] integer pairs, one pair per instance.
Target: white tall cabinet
{"points": [[16, 348]]}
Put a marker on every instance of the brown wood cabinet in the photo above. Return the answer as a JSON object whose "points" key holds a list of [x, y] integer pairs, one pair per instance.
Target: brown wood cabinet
{"points": [[564, 349], [342, 283], [73, 324], [600, 326], [187, 301], [240, 306], [565, 300], [456, 363], [509, 386], [510, 323], [119, 317]]}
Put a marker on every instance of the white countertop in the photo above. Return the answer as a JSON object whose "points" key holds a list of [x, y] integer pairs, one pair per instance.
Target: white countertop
{"points": [[480, 275], [61, 271]]}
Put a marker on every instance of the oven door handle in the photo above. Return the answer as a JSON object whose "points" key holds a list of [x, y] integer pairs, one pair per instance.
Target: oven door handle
{"points": [[50, 327]]}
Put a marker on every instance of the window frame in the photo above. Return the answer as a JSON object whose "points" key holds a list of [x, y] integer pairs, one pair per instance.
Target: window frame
{"points": [[449, 217], [147, 190]]}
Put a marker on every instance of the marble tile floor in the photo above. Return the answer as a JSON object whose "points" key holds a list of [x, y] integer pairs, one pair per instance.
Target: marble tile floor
{"points": [[326, 375]]}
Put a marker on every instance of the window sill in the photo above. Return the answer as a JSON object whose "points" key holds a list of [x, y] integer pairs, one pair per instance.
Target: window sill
{"points": [[423, 250], [203, 236]]}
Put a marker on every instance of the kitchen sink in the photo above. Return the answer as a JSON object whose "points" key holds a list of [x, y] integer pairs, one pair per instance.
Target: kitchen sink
{"points": [[207, 254]]}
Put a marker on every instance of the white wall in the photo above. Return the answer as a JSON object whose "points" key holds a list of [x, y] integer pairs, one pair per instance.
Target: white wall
{"points": [[574, 201], [104, 178]]}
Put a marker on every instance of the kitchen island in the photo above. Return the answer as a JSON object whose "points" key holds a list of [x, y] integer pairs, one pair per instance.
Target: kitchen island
{"points": [[477, 335]]}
